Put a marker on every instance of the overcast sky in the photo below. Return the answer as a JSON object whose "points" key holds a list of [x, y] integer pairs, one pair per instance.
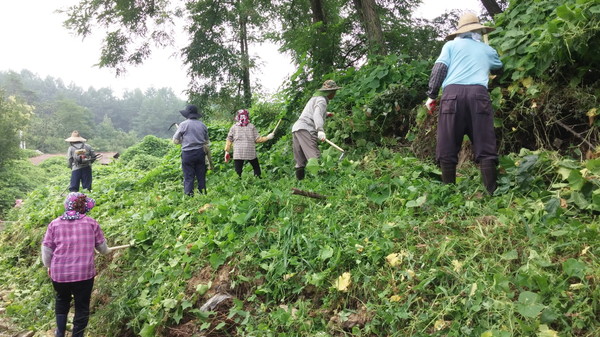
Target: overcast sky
{"points": [[34, 38]]}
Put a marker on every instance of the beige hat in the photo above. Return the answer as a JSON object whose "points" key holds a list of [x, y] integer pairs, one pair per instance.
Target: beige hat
{"points": [[468, 23], [329, 85], [75, 137]]}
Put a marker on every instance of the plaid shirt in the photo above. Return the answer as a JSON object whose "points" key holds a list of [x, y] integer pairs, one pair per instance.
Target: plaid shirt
{"points": [[244, 139], [438, 74], [73, 243]]}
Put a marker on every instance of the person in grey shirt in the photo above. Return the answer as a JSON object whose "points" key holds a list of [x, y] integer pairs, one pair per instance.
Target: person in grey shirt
{"points": [[80, 157], [192, 134], [310, 126]]}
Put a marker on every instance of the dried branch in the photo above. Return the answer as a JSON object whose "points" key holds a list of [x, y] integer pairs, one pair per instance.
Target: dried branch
{"points": [[308, 194]]}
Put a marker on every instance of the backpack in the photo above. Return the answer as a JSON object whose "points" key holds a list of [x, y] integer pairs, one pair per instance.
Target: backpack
{"points": [[81, 156]]}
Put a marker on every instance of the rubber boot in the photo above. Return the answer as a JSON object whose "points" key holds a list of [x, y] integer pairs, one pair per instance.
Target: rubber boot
{"points": [[77, 333], [299, 173], [448, 173], [61, 326], [489, 175]]}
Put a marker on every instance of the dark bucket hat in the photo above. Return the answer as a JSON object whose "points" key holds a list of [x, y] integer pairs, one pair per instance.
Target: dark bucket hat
{"points": [[190, 111]]}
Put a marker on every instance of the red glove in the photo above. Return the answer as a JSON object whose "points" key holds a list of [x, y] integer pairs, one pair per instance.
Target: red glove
{"points": [[227, 156], [430, 105]]}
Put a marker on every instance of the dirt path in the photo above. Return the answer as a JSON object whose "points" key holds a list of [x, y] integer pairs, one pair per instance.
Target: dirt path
{"points": [[107, 157]]}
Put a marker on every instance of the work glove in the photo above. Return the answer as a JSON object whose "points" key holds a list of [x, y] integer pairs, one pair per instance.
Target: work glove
{"points": [[270, 136], [430, 105], [227, 156], [329, 114], [321, 136]]}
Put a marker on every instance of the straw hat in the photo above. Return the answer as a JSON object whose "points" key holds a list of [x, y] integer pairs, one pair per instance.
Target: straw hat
{"points": [[329, 85], [467, 23], [75, 137]]}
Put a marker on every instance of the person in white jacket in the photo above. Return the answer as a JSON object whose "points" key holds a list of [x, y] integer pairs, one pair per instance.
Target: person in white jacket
{"points": [[310, 127]]}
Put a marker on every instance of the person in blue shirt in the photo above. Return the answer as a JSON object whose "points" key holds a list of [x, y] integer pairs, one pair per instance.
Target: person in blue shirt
{"points": [[462, 71], [192, 134]]}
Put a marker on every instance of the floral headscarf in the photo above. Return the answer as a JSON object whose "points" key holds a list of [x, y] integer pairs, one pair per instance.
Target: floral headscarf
{"points": [[70, 202], [242, 118]]}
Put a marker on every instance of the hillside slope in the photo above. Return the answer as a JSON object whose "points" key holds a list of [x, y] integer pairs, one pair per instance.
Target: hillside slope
{"points": [[390, 251]]}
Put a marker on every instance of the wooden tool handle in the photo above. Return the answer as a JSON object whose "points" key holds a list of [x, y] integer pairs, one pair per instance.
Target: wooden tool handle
{"points": [[276, 126], [335, 146], [119, 247]]}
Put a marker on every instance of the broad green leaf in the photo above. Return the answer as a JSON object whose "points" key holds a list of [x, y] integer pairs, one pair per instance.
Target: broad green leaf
{"points": [[201, 289], [576, 180], [579, 199], [216, 260], [313, 166], [417, 203], [527, 305], [564, 172], [148, 330], [559, 232], [169, 303], [511, 255], [564, 13], [574, 268], [594, 166], [547, 332], [379, 195], [239, 218], [325, 253]]}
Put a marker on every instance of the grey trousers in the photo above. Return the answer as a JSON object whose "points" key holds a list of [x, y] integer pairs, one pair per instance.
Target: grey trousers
{"points": [[305, 147]]}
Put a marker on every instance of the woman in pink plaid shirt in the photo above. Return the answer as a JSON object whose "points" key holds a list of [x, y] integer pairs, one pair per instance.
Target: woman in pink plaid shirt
{"points": [[243, 135], [68, 253]]}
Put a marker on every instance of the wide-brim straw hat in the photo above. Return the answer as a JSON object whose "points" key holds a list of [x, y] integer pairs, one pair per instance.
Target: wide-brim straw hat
{"points": [[75, 137], [467, 23], [329, 85]]}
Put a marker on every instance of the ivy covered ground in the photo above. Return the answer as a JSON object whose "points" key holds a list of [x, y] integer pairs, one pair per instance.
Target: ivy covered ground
{"points": [[389, 252]]}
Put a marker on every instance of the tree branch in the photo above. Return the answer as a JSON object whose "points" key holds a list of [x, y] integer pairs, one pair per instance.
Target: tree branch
{"points": [[308, 194]]}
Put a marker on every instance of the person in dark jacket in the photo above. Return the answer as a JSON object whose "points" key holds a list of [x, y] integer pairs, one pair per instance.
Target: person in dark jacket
{"points": [[68, 253], [192, 134], [80, 157], [462, 70]]}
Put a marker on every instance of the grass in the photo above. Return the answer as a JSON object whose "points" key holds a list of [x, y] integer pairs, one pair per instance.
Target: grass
{"points": [[424, 259]]}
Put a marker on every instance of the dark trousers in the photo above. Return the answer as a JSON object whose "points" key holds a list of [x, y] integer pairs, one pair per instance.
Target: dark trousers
{"points": [[81, 292], [238, 164], [83, 175], [194, 167], [465, 110]]}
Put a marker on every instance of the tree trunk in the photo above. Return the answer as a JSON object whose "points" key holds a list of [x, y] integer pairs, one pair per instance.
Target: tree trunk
{"points": [[367, 11], [492, 7], [318, 12], [245, 62], [322, 51]]}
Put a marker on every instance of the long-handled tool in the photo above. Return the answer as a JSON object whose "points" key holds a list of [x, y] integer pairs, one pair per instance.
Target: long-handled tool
{"points": [[276, 126], [337, 148], [112, 249], [208, 157]]}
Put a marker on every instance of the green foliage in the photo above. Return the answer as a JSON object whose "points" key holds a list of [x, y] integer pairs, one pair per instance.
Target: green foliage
{"points": [[421, 256], [378, 99], [549, 39], [109, 123], [17, 179], [149, 146], [14, 116]]}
